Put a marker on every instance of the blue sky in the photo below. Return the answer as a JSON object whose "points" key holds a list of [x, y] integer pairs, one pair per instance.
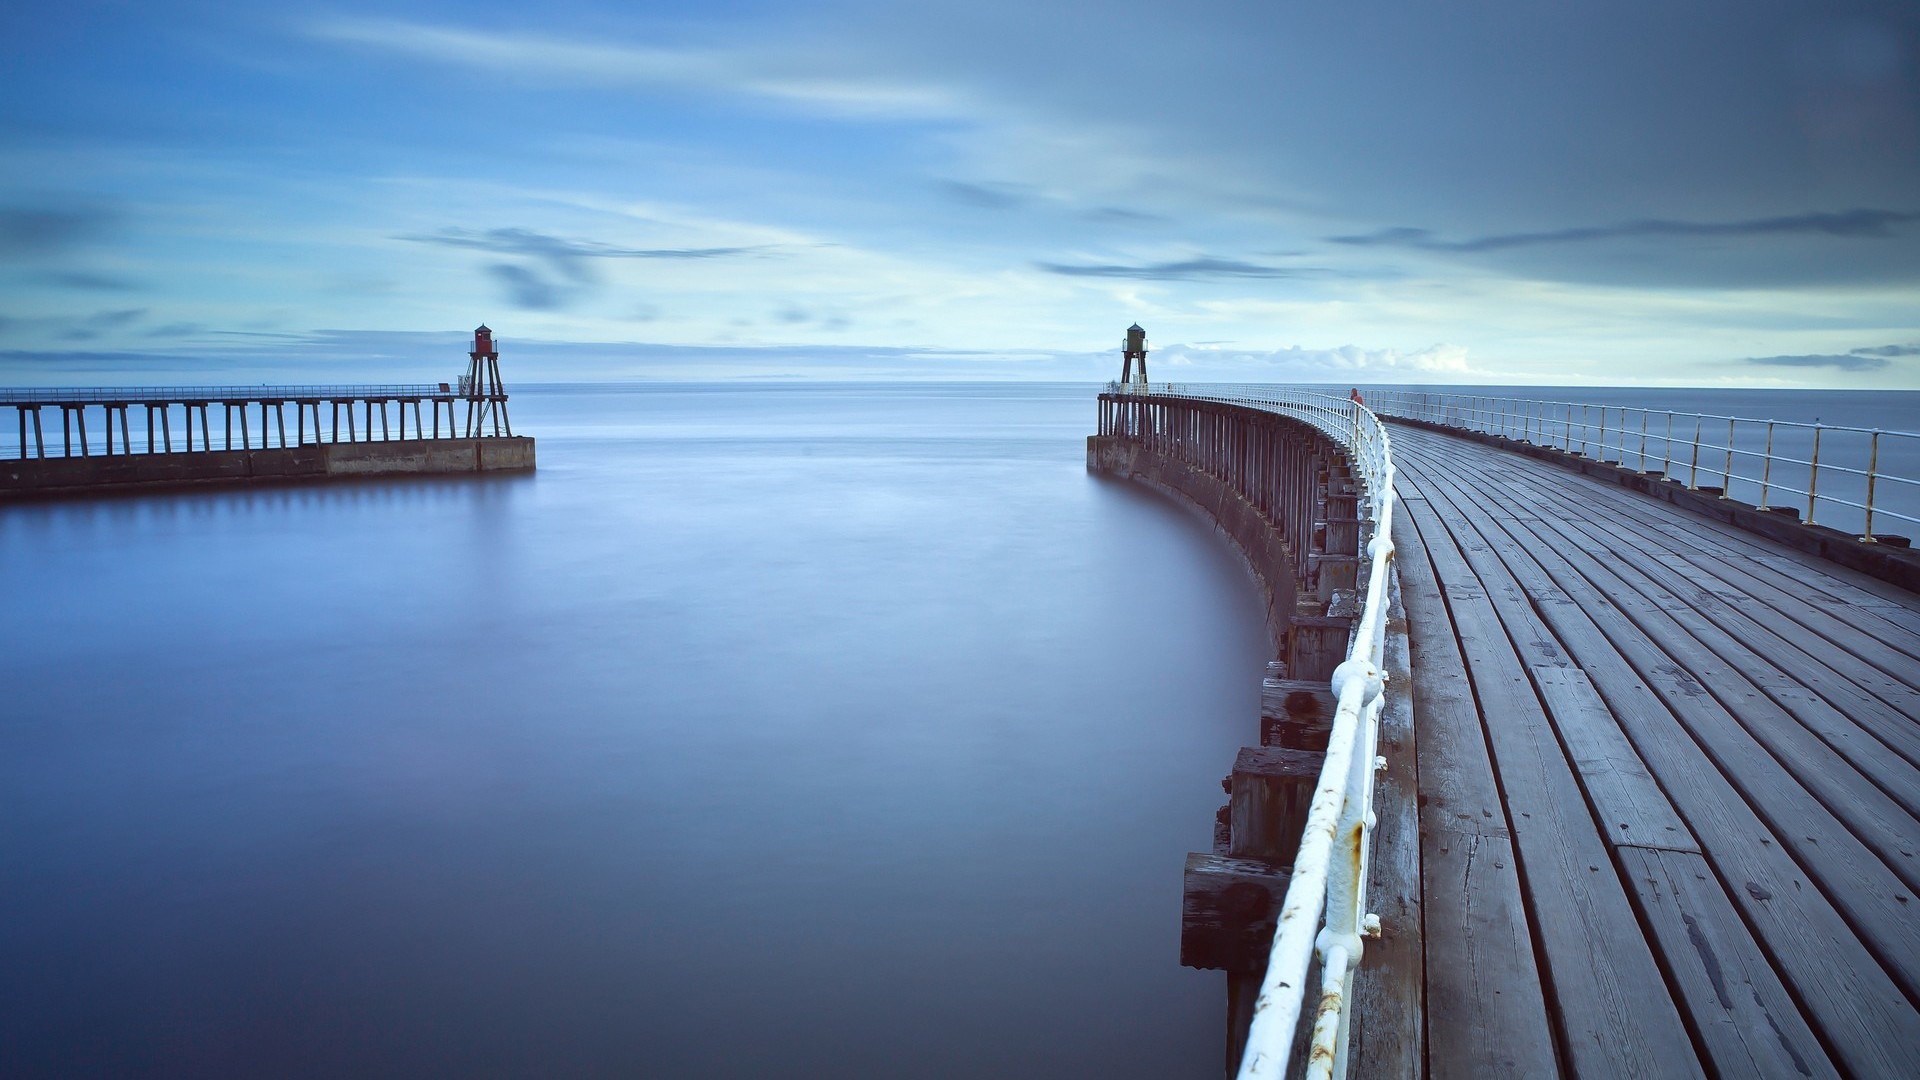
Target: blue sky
{"points": [[1576, 192]]}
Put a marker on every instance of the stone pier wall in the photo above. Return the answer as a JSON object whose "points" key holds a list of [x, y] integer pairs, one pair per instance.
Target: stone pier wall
{"points": [[312, 462], [1257, 540]]}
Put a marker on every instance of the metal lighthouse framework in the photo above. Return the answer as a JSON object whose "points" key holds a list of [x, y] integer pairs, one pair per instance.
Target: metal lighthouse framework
{"points": [[486, 395]]}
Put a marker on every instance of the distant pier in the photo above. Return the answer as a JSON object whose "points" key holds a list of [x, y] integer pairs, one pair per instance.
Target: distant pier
{"points": [[161, 437]]}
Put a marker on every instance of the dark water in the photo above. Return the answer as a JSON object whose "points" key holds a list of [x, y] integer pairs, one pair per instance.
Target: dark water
{"points": [[825, 731]]}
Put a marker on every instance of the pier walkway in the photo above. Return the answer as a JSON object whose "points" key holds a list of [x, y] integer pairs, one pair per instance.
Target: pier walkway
{"points": [[1669, 775], [1566, 768]]}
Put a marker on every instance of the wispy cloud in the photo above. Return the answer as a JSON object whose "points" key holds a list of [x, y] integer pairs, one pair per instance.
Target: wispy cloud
{"points": [[1180, 270], [564, 255], [91, 282], [39, 230], [525, 288], [987, 196], [1836, 361], [93, 326], [789, 74], [1889, 350], [1851, 224], [569, 261]]}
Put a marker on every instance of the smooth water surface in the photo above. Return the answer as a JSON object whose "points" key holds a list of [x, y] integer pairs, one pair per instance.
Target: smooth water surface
{"points": [[771, 731]]}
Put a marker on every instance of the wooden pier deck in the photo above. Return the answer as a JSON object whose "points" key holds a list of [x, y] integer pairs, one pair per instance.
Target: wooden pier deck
{"points": [[1669, 777]]}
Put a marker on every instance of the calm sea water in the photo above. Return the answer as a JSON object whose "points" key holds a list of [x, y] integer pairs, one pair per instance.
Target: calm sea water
{"points": [[790, 731]]}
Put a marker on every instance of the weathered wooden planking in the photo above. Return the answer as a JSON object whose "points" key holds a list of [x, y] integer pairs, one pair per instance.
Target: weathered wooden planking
{"points": [[1793, 582], [1614, 1010], [1877, 820], [1802, 569], [1835, 676], [1485, 1007], [1628, 538], [1801, 672], [1629, 804], [1748, 1024], [1593, 630], [1846, 992], [1388, 1039], [1874, 739]]}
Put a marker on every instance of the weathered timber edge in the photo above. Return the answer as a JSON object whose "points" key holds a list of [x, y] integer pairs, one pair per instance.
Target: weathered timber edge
{"points": [[37, 478], [1259, 544], [1230, 897], [1894, 565]]}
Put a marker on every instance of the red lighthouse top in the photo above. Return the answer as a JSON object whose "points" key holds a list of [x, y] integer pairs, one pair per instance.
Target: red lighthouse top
{"points": [[483, 340]]}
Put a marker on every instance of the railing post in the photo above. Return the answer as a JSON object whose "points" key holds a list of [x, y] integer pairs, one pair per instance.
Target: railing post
{"points": [[1766, 468], [1873, 470], [1726, 477], [1813, 475], [1693, 464]]}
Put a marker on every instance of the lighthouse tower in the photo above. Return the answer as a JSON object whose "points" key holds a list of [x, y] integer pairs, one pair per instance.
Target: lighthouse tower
{"points": [[486, 395], [1134, 347]]}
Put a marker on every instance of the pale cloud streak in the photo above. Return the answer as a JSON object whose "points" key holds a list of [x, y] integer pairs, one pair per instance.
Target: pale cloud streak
{"points": [[789, 74]]}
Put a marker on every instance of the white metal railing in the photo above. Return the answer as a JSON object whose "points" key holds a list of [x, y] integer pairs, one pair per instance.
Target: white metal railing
{"points": [[1325, 907], [1852, 478], [96, 395]]}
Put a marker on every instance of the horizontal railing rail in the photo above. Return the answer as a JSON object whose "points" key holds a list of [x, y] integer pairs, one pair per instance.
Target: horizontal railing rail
{"points": [[96, 395], [1856, 479], [1324, 911]]}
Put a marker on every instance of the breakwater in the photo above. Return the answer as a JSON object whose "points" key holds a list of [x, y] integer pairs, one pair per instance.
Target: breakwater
{"points": [[41, 477], [333, 433]]}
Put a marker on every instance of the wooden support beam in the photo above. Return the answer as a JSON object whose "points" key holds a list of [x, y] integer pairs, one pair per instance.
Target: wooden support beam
{"points": [[1270, 790], [1296, 714], [1229, 908], [1316, 644], [1333, 573]]}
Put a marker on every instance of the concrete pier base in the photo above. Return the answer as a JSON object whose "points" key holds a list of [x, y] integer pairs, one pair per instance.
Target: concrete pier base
{"points": [[36, 477]]}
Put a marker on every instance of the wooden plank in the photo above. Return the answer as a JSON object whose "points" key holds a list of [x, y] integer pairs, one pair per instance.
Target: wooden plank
{"points": [[1834, 675], [1388, 1039], [1738, 716], [1847, 994], [1788, 578], [1747, 1022], [1485, 1006], [1594, 630], [1709, 574], [1873, 738], [1615, 1014], [1629, 804]]}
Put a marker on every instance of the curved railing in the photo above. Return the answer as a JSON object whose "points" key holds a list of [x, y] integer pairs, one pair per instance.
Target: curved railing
{"points": [[1853, 478], [1325, 907]]}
